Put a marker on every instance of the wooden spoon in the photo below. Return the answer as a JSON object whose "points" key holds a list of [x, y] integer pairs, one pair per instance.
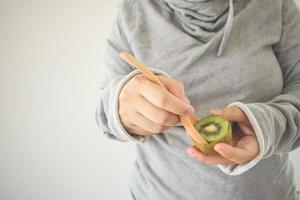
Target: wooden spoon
{"points": [[188, 122]]}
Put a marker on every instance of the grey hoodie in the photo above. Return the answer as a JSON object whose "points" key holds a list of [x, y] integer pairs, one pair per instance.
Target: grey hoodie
{"points": [[252, 60]]}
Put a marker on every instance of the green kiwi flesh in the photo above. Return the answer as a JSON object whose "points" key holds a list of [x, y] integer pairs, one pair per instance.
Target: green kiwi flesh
{"points": [[214, 129]]}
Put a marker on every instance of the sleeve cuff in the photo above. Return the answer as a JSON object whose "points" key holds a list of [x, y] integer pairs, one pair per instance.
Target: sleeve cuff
{"points": [[239, 169], [116, 118]]}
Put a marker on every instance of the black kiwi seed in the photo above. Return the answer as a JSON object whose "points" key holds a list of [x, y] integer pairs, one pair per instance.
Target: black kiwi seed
{"points": [[208, 133]]}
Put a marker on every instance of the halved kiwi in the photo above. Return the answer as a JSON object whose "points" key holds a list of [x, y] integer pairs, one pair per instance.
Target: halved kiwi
{"points": [[214, 129]]}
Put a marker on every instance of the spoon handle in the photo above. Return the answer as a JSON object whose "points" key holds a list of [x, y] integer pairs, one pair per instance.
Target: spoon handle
{"points": [[135, 63]]}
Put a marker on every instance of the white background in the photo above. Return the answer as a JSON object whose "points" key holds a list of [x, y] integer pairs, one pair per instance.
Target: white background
{"points": [[51, 65]]}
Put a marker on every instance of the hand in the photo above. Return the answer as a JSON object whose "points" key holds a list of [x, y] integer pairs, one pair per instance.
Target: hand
{"points": [[245, 145], [146, 109]]}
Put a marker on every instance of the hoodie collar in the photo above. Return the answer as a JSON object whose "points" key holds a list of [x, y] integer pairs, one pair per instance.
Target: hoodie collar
{"points": [[203, 18]]}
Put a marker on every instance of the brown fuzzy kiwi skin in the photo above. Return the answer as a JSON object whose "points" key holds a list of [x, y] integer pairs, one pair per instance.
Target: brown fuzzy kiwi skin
{"points": [[208, 149]]}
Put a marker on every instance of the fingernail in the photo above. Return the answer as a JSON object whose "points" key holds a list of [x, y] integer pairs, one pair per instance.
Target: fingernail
{"points": [[216, 111], [190, 111]]}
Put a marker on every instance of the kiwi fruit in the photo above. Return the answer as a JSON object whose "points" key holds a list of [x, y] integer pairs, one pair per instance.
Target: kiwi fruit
{"points": [[214, 129]]}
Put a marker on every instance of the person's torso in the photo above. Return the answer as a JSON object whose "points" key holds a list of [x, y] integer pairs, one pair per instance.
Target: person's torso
{"points": [[247, 71]]}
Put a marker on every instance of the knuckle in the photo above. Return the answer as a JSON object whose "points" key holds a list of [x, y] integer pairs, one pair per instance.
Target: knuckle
{"points": [[125, 105], [122, 112], [123, 95], [163, 117], [137, 79], [162, 101], [127, 92]]}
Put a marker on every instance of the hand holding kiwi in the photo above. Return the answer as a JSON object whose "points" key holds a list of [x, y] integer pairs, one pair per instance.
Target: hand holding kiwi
{"points": [[231, 138]]}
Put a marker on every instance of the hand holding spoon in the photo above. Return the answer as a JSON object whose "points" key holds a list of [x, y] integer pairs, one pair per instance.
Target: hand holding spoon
{"points": [[188, 122]]}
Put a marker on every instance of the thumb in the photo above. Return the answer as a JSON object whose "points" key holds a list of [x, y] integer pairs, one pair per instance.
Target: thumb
{"points": [[231, 113], [175, 87], [234, 154]]}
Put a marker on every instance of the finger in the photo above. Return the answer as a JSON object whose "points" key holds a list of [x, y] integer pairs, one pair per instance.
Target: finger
{"points": [[231, 113], [164, 99], [175, 87], [134, 129], [142, 122], [234, 154], [250, 144], [154, 113], [209, 159], [246, 130]]}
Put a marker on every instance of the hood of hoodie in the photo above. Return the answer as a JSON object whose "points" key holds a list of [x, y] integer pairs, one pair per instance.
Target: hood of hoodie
{"points": [[203, 18]]}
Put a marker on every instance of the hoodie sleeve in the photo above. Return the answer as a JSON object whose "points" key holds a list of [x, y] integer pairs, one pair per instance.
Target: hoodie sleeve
{"points": [[117, 73], [277, 122]]}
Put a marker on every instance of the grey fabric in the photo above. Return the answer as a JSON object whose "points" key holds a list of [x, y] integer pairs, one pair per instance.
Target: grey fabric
{"points": [[258, 70], [202, 18]]}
